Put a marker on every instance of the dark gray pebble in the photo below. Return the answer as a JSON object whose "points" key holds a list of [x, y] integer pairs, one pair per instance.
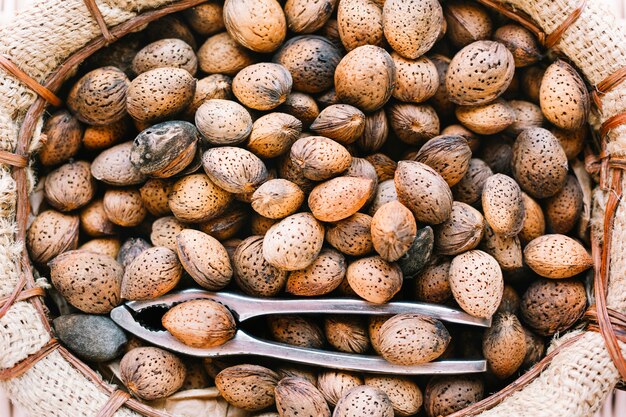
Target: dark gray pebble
{"points": [[92, 338]]}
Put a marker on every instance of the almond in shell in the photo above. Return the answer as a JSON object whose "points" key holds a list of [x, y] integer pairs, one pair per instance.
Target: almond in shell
{"points": [[222, 54], [557, 256], [412, 28], [173, 52], [320, 158], [204, 258], [521, 42], [463, 231], [347, 333], [417, 80], [487, 119], [152, 373], [467, 23], [123, 206], [99, 97], [253, 274], [250, 387], [470, 188], [364, 400], [374, 279], [277, 198], [113, 166], [563, 96], [70, 186], [94, 221], [262, 86], [351, 236], [504, 345], [507, 250], [360, 22], [323, 276], [63, 138], [257, 25], [339, 198], [273, 134], [296, 330], [334, 384], [393, 230], [307, 16], [154, 272], [446, 394], [432, 284], [404, 394], [503, 205], [154, 195], [195, 198], [375, 132], [449, 155], [564, 208], [109, 246], [413, 123], [301, 106], [223, 122], [340, 122], [233, 169], [297, 397]]}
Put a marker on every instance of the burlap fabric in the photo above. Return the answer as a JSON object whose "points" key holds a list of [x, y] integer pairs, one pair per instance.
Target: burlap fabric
{"points": [[576, 382]]}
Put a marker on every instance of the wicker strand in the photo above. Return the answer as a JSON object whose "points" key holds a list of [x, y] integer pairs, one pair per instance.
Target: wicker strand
{"points": [[606, 85], [24, 295], [42, 91], [12, 159], [116, 400], [554, 37], [612, 123], [95, 12], [21, 367]]}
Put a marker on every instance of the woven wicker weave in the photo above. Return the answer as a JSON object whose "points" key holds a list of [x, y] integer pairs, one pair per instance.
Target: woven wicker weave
{"points": [[50, 382]]}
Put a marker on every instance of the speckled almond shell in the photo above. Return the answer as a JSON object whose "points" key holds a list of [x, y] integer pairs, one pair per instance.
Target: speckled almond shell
{"points": [[441, 103], [364, 400], [50, 234], [319, 158], [563, 96], [221, 54], [263, 86], [296, 330], [572, 141], [89, 281], [154, 195], [294, 242], [301, 106], [195, 198], [94, 221], [551, 306], [152, 373], [311, 60], [374, 279], [160, 93], [215, 86], [521, 42], [63, 138], [123, 206], [384, 193], [412, 339], [504, 345], [360, 22], [417, 80], [486, 119], [449, 155], [365, 78], [447, 394], [404, 393], [432, 284], [534, 220], [321, 277], [503, 205], [507, 250], [334, 384], [154, 272], [385, 166], [539, 163], [557, 256], [476, 283], [423, 191], [413, 123], [165, 230], [206, 18], [412, 27], [223, 122], [563, 210], [70, 186], [165, 149], [351, 236], [250, 387], [228, 224], [253, 274], [109, 246], [466, 23], [296, 397], [235, 170], [200, 323], [273, 134], [113, 166], [470, 188], [99, 97], [259, 25], [491, 67], [393, 230], [340, 122], [527, 115], [463, 231], [277, 198], [307, 16], [339, 198], [347, 333], [173, 53], [375, 132]]}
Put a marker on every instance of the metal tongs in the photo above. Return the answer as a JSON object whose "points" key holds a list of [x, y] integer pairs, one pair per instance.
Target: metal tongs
{"points": [[244, 308]]}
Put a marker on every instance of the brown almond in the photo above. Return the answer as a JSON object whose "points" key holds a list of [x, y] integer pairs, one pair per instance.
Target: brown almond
{"points": [[320, 158], [347, 333], [404, 394], [440, 101], [360, 22], [235, 170], [204, 258], [152, 373], [385, 192], [262, 86], [527, 115], [63, 138], [306, 16], [340, 122], [393, 230], [507, 250], [297, 397], [412, 28], [449, 155], [563, 209], [323, 276], [504, 345], [99, 97], [130, 249], [70, 186], [463, 231], [364, 400], [521, 42], [339, 198], [539, 163], [334, 384], [206, 18], [535, 349], [511, 301], [250, 387], [89, 281], [154, 195], [113, 166], [557, 256], [301, 106], [417, 80], [419, 253], [200, 323], [476, 283], [109, 246], [296, 330], [195, 198], [572, 141], [252, 273], [174, 53], [467, 23], [563, 96], [413, 123], [277, 198], [257, 25], [215, 86], [223, 122], [497, 154], [493, 68], [432, 284], [423, 191], [446, 394], [375, 132], [94, 221], [154, 272], [124, 206], [384, 165], [550, 306], [352, 235], [502, 204], [470, 188], [365, 78], [222, 54], [534, 221], [375, 323], [273, 134], [160, 93], [294, 242], [412, 339], [228, 224], [374, 279], [486, 119]]}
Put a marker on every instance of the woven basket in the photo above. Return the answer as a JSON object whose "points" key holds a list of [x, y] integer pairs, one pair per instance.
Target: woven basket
{"points": [[41, 49]]}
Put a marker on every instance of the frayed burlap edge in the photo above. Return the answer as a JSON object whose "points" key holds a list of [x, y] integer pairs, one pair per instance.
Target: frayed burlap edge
{"points": [[576, 382]]}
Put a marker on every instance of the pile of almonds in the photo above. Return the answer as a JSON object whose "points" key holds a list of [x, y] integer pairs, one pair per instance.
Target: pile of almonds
{"points": [[382, 150]]}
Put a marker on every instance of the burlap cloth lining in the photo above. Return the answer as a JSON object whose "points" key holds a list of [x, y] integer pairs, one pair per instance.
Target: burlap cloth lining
{"points": [[576, 382]]}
